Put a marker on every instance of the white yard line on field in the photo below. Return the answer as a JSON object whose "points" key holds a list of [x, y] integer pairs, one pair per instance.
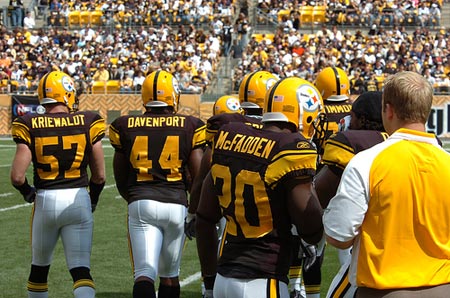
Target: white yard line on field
{"points": [[15, 207], [190, 279]]}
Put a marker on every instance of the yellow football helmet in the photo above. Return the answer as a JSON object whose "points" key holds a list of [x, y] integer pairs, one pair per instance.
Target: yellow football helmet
{"points": [[58, 87], [253, 88], [161, 89], [227, 104], [300, 103], [333, 84]]}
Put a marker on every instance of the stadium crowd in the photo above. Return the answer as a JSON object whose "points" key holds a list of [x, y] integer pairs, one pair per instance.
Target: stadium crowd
{"points": [[367, 57], [190, 47]]}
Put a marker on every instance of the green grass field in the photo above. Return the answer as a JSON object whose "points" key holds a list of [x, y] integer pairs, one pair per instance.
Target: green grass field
{"points": [[111, 267]]}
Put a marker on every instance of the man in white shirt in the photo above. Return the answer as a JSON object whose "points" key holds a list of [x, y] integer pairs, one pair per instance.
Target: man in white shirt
{"points": [[28, 21]]}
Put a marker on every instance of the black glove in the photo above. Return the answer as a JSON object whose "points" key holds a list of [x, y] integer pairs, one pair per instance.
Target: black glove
{"points": [[189, 226], [94, 192], [27, 191]]}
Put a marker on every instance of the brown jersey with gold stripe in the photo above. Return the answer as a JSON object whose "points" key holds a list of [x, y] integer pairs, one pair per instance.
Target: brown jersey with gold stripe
{"points": [[60, 144], [250, 168], [215, 122], [341, 147], [158, 147], [335, 111]]}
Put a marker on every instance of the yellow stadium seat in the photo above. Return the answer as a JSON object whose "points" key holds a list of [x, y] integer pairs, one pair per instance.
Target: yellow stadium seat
{"points": [[113, 87], [74, 18], [114, 60], [98, 87], [319, 14], [257, 36], [306, 15], [85, 18], [96, 18], [281, 13]]}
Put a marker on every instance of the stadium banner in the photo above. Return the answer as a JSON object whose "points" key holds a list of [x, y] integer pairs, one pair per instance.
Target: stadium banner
{"points": [[439, 119], [23, 104], [111, 106]]}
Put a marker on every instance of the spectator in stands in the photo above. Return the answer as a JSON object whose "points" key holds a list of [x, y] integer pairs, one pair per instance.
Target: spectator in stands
{"points": [[126, 85], [17, 11], [138, 80], [101, 74], [22, 86], [242, 28], [423, 14], [29, 21], [185, 82], [435, 15], [227, 36], [55, 6], [200, 79], [115, 73]]}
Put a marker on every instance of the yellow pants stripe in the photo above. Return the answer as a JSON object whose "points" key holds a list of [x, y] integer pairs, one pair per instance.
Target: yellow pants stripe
{"points": [[273, 290]]}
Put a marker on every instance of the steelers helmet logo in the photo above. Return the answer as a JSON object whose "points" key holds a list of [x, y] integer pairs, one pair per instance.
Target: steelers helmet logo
{"points": [[308, 97], [233, 104], [67, 84]]}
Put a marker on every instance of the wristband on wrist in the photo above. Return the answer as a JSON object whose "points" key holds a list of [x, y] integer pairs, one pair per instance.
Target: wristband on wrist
{"points": [[209, 281], [24, 189], [94, 191]]}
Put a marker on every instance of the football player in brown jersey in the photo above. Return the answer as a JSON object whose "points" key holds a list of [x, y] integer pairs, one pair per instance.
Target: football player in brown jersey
{"points": [[61, 143], [252, 90], [334, 86], [152, 151], [226, 109], [365, 129], [261, 182]]}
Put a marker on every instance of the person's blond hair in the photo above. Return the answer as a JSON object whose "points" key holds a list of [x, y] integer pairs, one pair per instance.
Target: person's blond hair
{"points": [[410, 94]]}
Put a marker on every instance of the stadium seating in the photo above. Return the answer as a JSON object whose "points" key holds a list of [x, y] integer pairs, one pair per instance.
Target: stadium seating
{"points": [[306, 15], [98, 87], [74, 19], [113, 87], [319, 14], [85, 18], [96, 18], [283, 12]]}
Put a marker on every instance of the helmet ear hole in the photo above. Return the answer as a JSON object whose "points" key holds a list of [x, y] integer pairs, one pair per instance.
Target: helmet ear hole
{"points": [[309, 119]]}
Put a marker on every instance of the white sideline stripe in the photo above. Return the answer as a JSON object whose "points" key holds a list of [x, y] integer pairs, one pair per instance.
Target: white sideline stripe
{"points": [[15, 207], [4, 166], [190, 279], [26, 204]]}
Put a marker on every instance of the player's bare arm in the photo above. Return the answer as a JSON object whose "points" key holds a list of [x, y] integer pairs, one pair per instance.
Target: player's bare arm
{"points": [[208, 214], [305, 211]]}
